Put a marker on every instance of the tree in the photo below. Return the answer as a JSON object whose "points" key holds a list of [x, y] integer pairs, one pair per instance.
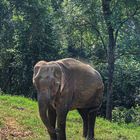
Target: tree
{"points": [[27, 36], [112, 40], [110, 56]]}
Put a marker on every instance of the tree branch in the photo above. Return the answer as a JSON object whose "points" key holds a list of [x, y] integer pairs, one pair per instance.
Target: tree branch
{"points": [[122, 23], [128, 53], [88, 24], [101, 38]]}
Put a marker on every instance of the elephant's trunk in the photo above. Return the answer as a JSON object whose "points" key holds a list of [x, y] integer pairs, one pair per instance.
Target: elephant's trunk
{"points": [[43, 104]]}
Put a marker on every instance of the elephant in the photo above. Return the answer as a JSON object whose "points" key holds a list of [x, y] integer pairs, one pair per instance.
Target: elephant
{"points": [[65, 85]]}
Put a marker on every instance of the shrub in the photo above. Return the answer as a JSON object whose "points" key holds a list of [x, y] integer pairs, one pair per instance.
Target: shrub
{"points": [[123, 115]]}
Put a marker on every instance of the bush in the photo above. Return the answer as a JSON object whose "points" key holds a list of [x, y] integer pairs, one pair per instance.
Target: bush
{"points": [[123, 115]]}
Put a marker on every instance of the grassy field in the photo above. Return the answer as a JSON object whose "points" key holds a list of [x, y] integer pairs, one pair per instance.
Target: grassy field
{"points": [[19, 120]]}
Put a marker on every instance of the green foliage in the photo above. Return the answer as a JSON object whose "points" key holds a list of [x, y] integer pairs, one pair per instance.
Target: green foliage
{"points": [[26, 37], [123, 115], [126, 83]]}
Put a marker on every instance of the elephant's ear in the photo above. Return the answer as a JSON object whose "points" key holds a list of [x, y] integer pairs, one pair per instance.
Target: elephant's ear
{"points": [[35, 73], [36, 69], [63, 81], [64, 76]]}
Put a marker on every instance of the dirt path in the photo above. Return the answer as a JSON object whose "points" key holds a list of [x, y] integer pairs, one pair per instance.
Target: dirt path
{"points": [[13, 131]]}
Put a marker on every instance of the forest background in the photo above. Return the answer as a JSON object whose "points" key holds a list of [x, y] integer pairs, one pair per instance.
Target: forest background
{"points": [[104, 33]]}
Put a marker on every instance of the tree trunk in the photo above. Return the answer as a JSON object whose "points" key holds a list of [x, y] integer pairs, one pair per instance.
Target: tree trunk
{"points": [[110, 61], [110, 56]]}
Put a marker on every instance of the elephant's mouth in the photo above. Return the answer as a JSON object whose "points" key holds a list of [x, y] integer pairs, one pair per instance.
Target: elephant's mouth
{"points": [[54, 98]]}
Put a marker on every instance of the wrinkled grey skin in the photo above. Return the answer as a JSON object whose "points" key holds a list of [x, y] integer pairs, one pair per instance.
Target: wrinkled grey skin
{"points": [[65, 85]]}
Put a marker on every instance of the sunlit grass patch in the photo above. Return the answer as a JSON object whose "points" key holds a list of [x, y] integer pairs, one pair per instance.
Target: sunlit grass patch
{"points": [[26, 123]]}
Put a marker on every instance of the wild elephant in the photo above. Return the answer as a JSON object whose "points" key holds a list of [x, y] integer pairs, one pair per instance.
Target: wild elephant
{"points": [[65, 85]]}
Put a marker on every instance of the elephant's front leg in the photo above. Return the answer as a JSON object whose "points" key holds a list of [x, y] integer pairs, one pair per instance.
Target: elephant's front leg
{"points": [[61, 124], [52, 119]]}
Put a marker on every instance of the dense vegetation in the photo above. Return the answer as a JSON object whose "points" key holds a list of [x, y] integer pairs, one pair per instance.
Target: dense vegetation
{"points": [[104, 33], [19, 119]]}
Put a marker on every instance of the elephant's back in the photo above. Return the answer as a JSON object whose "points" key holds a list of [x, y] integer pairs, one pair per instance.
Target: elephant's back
{"points": [[81, 71], [74, 64], [77, 67], [87, 83]]}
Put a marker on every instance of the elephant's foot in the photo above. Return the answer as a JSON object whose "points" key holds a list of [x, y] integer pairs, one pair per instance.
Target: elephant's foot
{"points": [[53, 136], [85, 135], [88, 138], [60, 135]]}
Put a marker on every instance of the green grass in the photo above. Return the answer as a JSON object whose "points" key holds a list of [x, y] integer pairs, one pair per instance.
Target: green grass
{"points": [[19, 120]]}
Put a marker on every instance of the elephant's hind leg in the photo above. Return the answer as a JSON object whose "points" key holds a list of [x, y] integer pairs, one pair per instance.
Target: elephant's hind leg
{"points": [[52, 119], [91, 124], [84, 115]]}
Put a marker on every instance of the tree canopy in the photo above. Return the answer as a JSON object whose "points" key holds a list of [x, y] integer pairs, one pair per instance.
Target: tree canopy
{"points": [[104, 33]]}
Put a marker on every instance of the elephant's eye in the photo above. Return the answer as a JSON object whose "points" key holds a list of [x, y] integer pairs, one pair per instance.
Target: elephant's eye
{"points": [[56, 74], [47, 77]]}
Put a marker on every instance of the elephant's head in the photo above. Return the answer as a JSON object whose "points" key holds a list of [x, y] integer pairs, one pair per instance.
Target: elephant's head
{"points": [[48, 80]]}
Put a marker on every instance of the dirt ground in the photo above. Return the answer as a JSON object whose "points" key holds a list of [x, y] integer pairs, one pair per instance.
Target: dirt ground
{"points": [[13, 131]]}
